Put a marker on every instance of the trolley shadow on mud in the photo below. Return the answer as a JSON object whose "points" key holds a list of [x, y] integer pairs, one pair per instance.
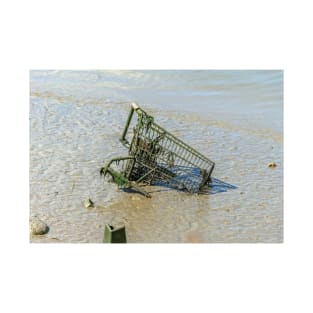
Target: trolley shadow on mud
{"points": [[214, 187]]}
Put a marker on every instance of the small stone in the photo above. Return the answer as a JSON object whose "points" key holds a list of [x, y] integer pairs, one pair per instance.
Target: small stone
{"points": [[271, 164], [88, 203], [241, 192], [37, 226]]}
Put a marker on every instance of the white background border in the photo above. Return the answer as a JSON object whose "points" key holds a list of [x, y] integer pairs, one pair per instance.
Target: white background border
{"points": [[156, 35]]}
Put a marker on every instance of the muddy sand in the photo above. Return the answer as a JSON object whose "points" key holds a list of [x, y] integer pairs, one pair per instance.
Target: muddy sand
{"points": [[71, 138]]}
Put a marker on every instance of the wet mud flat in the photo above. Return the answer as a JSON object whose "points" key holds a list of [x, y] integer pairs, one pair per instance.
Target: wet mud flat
{"points": [[71, 140]]}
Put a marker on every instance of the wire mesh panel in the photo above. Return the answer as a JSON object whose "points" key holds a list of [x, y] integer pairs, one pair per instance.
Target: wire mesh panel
{"points": [[157, 156]]}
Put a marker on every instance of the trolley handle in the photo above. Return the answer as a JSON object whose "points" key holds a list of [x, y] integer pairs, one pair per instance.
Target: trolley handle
{"points": [[134, 107]]}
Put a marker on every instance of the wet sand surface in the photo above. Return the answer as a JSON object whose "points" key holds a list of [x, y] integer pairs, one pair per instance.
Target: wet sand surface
{"points": [[73, 136]]}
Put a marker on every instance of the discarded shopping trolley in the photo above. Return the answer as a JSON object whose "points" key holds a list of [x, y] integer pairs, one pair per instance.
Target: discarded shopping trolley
{"points": [[157, 157]]}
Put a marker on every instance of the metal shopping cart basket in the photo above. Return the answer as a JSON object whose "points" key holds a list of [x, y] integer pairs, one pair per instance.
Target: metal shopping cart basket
{"points": [[155, 156]]}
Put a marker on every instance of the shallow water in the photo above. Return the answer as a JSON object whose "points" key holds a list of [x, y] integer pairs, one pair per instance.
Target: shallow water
{"points": [[233, 117]]}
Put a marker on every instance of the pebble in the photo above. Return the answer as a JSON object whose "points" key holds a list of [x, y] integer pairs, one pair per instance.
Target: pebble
{"points": [[271, 164], [88, 203], [37, 226]]}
